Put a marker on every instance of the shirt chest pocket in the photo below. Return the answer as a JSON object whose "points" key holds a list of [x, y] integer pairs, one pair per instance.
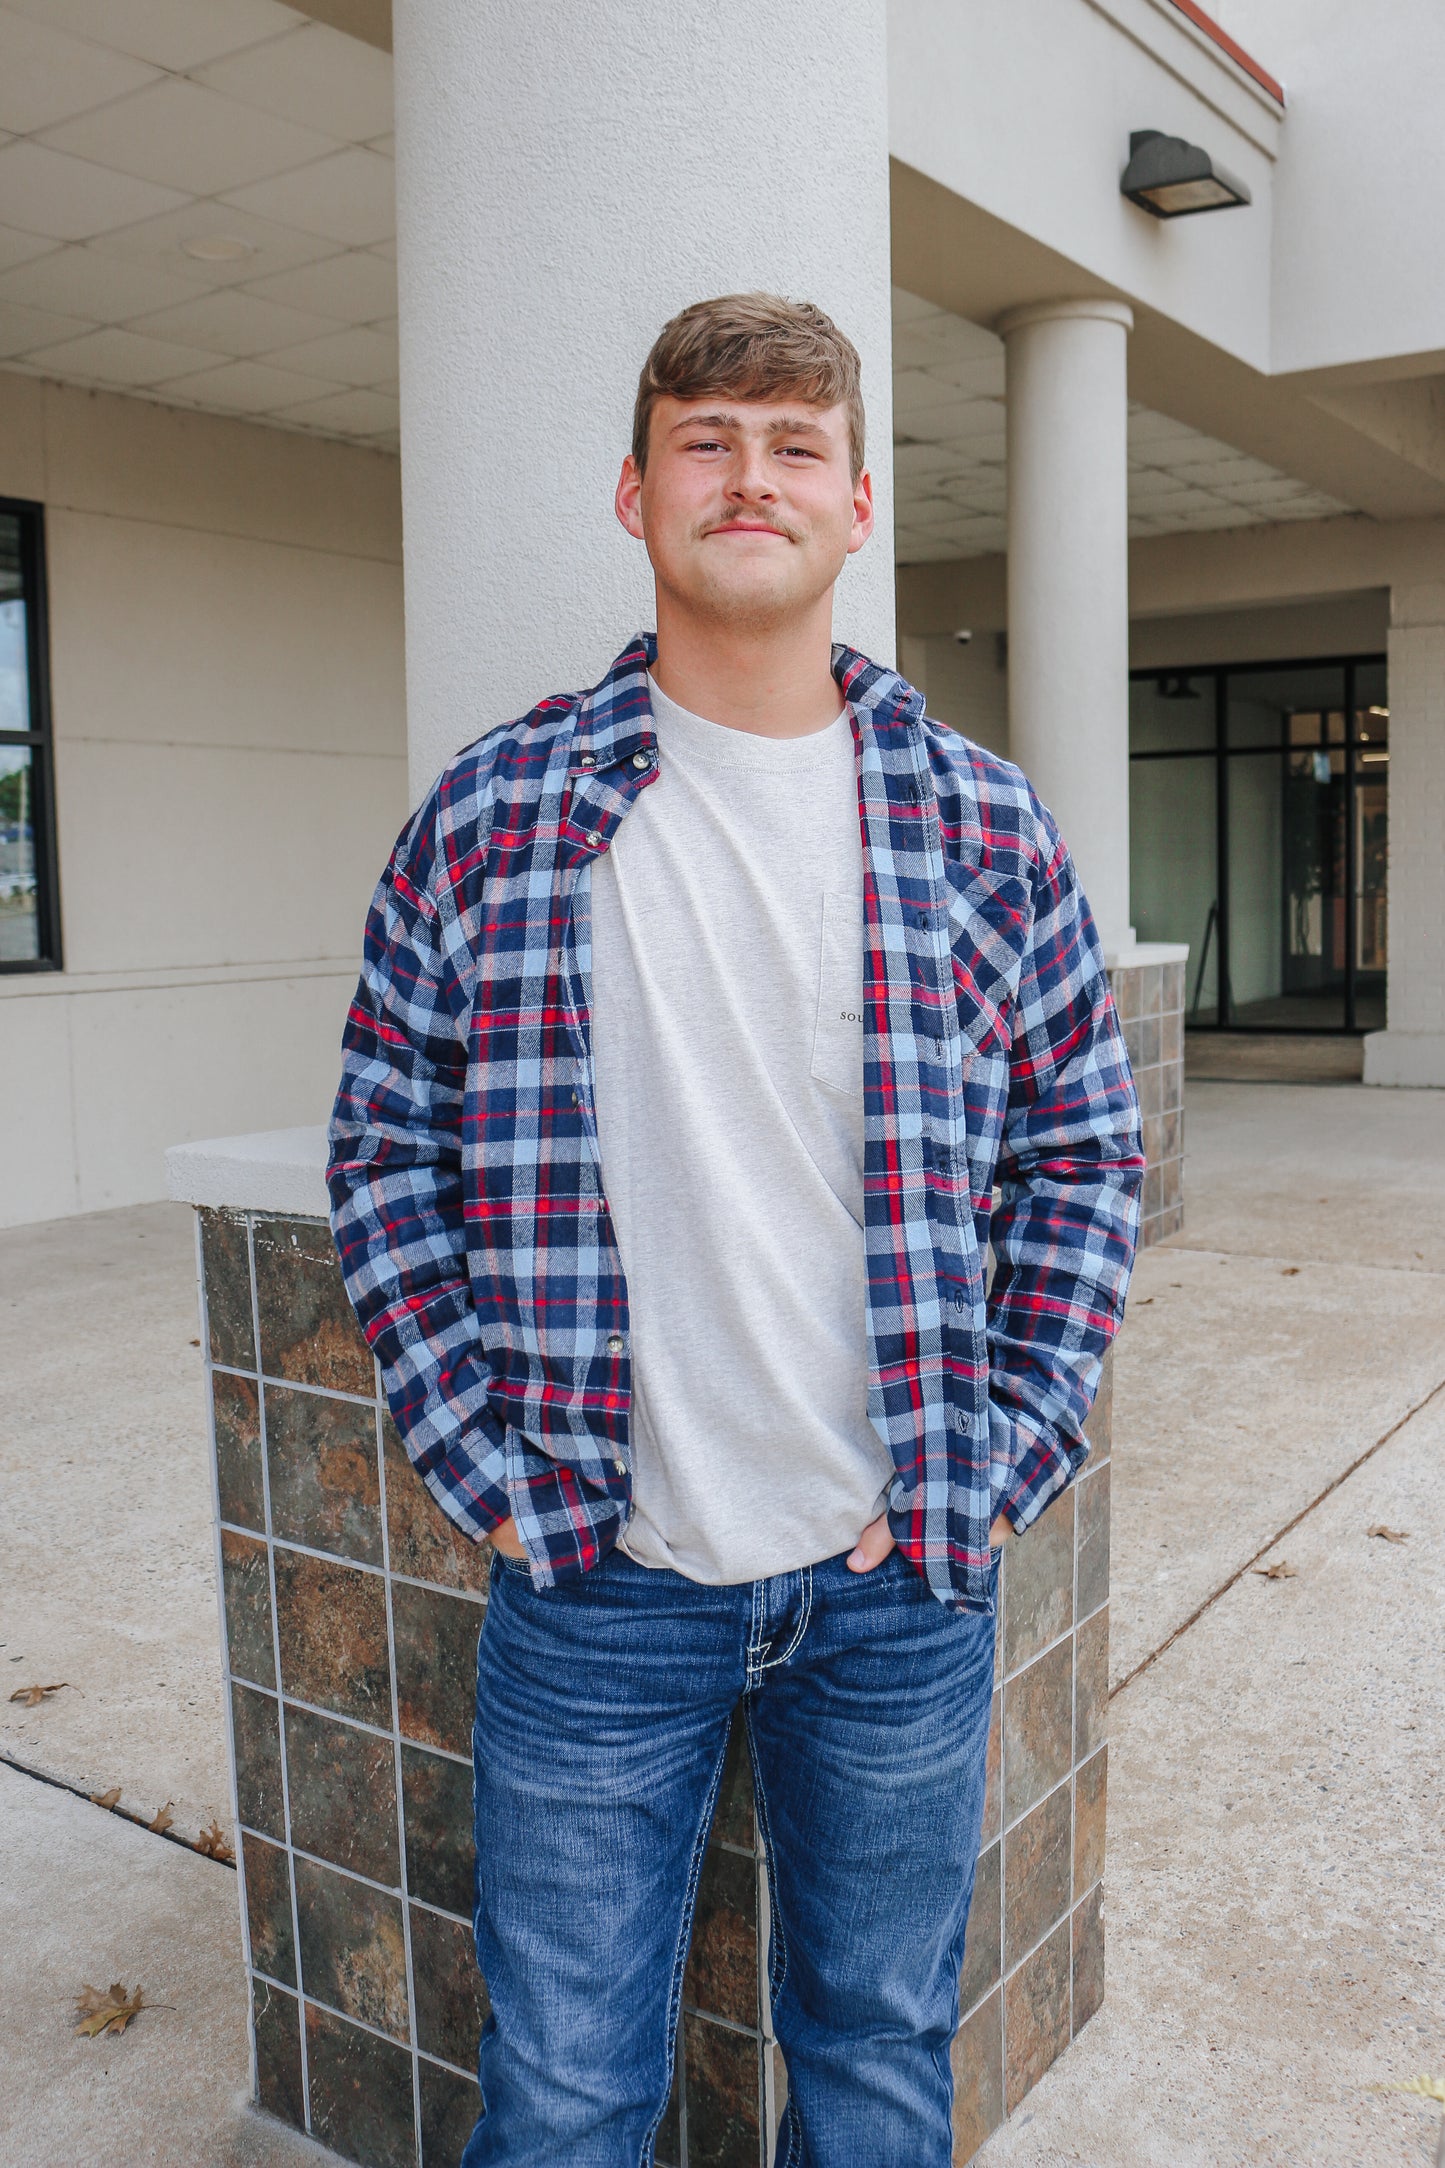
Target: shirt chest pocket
{"points": [[838, 1023]]}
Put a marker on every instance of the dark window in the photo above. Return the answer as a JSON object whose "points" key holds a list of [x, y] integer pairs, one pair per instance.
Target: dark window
{"points": [[1258, 825], [29, 905]]}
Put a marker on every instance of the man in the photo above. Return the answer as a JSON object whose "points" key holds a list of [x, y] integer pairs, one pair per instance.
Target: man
{"points": [[712, 1024]]}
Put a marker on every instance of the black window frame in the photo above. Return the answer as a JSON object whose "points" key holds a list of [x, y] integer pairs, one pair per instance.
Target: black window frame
{"points": [[1221, 752], [39, 738]]}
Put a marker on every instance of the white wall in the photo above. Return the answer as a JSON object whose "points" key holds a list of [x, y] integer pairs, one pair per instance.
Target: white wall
{"points": [[1027, 113], [226, 661], [551, 216], [1361, 178], [965, 686]]}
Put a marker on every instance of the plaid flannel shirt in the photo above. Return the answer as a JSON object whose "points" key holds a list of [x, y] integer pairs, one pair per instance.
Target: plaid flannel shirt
{"points": [[466, 1179]]}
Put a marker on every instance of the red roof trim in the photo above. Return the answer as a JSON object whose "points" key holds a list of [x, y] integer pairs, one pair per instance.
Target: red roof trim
{"points": [[1226, 43]]}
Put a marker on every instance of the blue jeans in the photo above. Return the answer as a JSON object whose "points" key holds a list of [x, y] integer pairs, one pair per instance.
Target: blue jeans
{"points": [[603, 1708]]}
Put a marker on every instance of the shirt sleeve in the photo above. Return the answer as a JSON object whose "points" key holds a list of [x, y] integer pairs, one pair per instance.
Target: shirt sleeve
{"points": [[395, 1179], [1066, 1219]]}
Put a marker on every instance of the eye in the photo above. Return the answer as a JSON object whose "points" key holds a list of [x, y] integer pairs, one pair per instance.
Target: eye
{"points": [[706, 444]]}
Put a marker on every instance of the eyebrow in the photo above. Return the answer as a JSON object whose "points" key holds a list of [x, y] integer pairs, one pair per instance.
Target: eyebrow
{"points": [[791, 425]]}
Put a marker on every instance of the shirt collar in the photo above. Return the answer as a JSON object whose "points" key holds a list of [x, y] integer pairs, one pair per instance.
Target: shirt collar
{"points": [[615, 717]]}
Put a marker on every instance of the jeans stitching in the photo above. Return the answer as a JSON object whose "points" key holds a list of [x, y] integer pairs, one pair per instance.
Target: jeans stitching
{"points": [[679, 1961], [755, 1640], [804, 1614]]}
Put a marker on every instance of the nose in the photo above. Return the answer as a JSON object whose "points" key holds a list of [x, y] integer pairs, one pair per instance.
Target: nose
{"points": [[750, 476]]}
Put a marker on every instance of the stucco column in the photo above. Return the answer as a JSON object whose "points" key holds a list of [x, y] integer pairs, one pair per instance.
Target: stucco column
{"points": [[1411, 1050], [1068, 583], [567, 179]]}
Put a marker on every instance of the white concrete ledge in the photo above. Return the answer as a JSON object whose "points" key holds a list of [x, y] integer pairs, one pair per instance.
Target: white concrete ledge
{"points": [[1140, 953], [276, 1170], [1405, 1057]]}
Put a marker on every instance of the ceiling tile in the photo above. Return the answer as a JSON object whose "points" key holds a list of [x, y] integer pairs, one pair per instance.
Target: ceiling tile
{"points": [[171, 33], [350, 197], [244, 387], [925, 459], [315, 75], [1278, 490], [352, 413], [183, 136], [118, 357], [21, 329], [236, 324], [21, 247], [45, 191], [273, 248], [957, 418], [357, 287], [915, 390], [46, 75], [83, 282], [353, 356], [1311, 506], [981, 376]]}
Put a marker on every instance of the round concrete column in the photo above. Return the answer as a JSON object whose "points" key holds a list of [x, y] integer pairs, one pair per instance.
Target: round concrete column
{"points": [[1068, 583], [567, 179]]}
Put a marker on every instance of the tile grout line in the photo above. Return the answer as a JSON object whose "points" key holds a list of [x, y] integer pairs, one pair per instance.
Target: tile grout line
{"points": [[1278, 1537], [401, 1868], [249, 1223]]}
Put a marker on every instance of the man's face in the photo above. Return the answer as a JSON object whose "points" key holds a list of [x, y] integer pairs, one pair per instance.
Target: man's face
{"points": [[748, 508]]}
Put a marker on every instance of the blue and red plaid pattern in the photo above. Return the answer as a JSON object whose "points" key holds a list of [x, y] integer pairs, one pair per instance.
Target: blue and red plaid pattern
{"points": [[465, 1175]]}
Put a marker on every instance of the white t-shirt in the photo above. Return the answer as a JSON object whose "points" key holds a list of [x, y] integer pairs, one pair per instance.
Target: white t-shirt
{"points": [[727, 997]]}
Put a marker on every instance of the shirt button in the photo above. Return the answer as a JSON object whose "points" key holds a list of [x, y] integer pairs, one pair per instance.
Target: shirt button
{"points": [[614, 1343], [594, 837], [620, 1466], [588, 760], [938, 1048], [576, 1099], [640, 760]]}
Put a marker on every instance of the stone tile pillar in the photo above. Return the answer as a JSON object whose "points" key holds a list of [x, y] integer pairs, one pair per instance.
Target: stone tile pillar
{"points": [[350, 1615], [1148, 986], [1411, 1050]]}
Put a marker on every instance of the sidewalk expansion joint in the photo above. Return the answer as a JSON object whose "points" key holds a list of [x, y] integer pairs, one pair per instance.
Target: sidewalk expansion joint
{"points": [[1278, 1537], [122, 1814]]}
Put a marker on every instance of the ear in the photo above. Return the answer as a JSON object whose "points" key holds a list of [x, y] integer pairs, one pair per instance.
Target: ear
{"points": [[628, 501], [862, 511]]}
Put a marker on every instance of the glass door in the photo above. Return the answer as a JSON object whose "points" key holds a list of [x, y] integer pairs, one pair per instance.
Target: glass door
{"points": [[1259, 822]]}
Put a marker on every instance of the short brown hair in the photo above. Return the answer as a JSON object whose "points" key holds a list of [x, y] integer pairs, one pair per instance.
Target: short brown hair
{"points": [[756, 346]]}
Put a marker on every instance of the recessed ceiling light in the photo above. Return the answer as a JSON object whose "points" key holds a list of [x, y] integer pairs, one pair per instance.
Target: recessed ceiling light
{"points": [[218, 247]]}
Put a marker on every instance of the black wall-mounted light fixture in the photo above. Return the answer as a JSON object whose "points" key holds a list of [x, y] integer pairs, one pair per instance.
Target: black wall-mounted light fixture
{"points": [[1170, 178]]}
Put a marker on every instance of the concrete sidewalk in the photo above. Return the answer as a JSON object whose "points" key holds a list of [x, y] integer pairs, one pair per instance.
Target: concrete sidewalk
{"points": [[1274, 1895]]}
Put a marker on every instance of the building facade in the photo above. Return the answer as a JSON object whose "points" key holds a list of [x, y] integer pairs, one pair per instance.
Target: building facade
{"points": [[1164, 496]]}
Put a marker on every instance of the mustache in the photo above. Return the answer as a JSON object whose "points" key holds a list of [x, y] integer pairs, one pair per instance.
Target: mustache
{"points": [[749, 519]]}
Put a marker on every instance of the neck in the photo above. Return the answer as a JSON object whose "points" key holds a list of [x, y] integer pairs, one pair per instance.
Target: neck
{"points": [[775, 681]]}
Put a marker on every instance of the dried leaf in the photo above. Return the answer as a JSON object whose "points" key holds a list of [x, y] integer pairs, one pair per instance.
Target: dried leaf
{"points": [[163, 1819], [1290, 1272], [1427, 2088], [33, 1695], [1391, 1535], [1279, 1571], [110, 2011], [106, 1799], [212, 1841]]}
